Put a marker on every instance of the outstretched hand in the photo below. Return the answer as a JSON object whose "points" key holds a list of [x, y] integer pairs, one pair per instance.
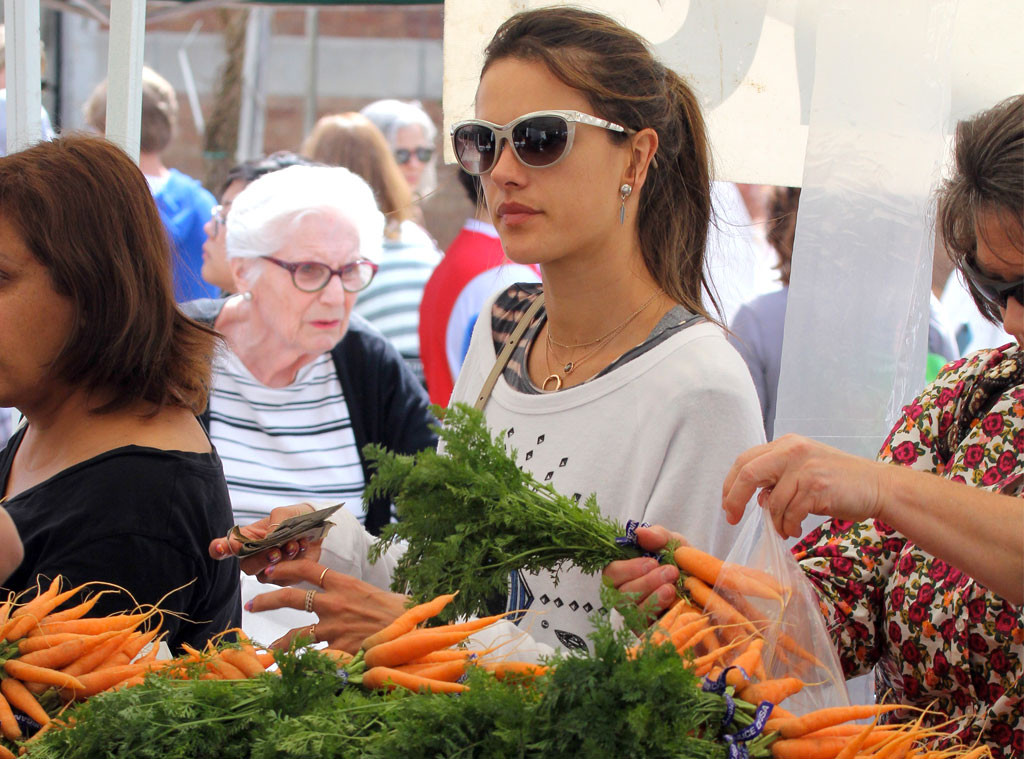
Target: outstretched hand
{"points": [[798, 476], [653, 582], [349, 610], [228, 546]]}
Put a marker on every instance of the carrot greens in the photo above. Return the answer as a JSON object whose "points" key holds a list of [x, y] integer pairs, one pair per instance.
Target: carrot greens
{"points": [[469, 516]]}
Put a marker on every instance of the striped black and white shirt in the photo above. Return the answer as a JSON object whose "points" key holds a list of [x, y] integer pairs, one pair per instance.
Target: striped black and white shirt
{"points": [[284, 445]]}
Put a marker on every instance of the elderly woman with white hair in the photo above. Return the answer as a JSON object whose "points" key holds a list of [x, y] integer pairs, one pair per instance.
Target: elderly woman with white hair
{"points": [[304, 384], [411, 134]]}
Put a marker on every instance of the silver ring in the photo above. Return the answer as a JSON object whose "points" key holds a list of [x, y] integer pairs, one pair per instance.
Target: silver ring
{"points": [[309, 600]]}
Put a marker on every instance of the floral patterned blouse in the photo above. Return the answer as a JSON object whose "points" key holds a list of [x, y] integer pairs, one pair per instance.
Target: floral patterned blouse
{"points": [[936, 637]]}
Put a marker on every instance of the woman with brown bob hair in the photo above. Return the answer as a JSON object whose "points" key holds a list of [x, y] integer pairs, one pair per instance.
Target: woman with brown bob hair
{"points": [[111, 478], [595, 166]]}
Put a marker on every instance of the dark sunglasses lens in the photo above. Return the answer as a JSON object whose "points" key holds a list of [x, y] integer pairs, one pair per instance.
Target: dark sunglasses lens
{"points": [[474, 148], [540, 141], [402, 155], [424, 154]]}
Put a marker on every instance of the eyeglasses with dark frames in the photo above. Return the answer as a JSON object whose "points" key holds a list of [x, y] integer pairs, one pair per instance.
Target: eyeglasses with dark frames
{"points": [[313, 276]]}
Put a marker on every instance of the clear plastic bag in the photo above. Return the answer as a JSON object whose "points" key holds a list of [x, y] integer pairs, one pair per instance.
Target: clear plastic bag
{"points": [[793, 626]]}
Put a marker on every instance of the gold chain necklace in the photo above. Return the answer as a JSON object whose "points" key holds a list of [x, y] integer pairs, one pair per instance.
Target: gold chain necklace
{"points": [[598, 344], [611, 334]]}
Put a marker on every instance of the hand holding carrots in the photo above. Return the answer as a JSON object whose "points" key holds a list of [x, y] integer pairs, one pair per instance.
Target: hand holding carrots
{"points": [[349, 610], [223, 548], [645, 575], [797, 477]]}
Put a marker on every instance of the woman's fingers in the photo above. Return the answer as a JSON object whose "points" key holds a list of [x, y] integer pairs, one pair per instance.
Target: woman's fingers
{"points": [[646, 578], [296, 571], [283, 598], [656, 538]]}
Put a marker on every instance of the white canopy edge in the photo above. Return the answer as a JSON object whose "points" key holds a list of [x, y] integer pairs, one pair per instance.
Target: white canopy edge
{"points": [[24, 75]]}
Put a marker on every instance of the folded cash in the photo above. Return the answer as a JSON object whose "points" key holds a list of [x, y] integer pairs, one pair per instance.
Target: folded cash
{"points": [[312, 526]]}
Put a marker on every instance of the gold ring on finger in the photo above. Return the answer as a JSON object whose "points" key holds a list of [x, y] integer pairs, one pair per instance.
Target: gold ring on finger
{"points": [[323, 574], [312, 632], [308, 606]]}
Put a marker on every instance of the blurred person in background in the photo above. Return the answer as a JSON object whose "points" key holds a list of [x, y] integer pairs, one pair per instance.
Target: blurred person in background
{"points": [[473, 269], [216, 270], [411, 134], [112, 478], [756, 329], [408, 257], [184, 204], [46, 128], [303, 383]]}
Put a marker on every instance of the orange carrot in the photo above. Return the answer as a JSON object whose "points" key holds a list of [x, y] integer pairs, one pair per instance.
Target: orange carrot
{"points": [[102, 679], [775, 691], [8, 724], [683, 634], [247, 663], [43, 642], [6, 753], [18, 696], [702, 664], [75, 612], [817, 748], [508, 669], [822, 718], [60, 655], [93, 625], [90, 660], [385, 677], [449, 671], [225, 669], [710, 569], [663, 625], [266, 658], [408, 620], [131, 681], [854, 746], [25, 617], [32, 673], [412, 646], [129, 649], [470, 625], [713, 603], [749, 662]]}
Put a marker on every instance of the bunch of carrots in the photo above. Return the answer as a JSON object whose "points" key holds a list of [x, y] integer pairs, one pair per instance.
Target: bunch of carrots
{"points": [[423, 659], [46, 651], [716, 626]]}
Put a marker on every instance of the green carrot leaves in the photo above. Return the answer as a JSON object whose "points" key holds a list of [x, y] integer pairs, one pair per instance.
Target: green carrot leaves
{"points": [[469, 516]]}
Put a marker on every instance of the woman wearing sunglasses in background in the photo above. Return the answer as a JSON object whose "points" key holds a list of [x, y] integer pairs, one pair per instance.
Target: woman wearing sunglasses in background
{"points": [[594, 164], [924, 577], [304, 383]]}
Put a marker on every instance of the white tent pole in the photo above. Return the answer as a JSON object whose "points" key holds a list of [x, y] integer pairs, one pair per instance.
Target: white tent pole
{"points": [[124, 74], [252, 113], [22, 66], [312, 35]]}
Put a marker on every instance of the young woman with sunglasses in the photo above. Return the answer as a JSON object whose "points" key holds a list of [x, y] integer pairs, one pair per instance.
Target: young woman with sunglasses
{"points": [[922, 565], [305, 383], [595, 165]]}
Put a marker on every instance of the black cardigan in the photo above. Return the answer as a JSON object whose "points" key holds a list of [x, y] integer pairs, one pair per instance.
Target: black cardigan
{"points": [[386, 403]]}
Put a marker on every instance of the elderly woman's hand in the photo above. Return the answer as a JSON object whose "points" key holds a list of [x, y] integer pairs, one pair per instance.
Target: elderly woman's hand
{"points": [[223, 548], [349, 610], [654, 582], [799, 476]]}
